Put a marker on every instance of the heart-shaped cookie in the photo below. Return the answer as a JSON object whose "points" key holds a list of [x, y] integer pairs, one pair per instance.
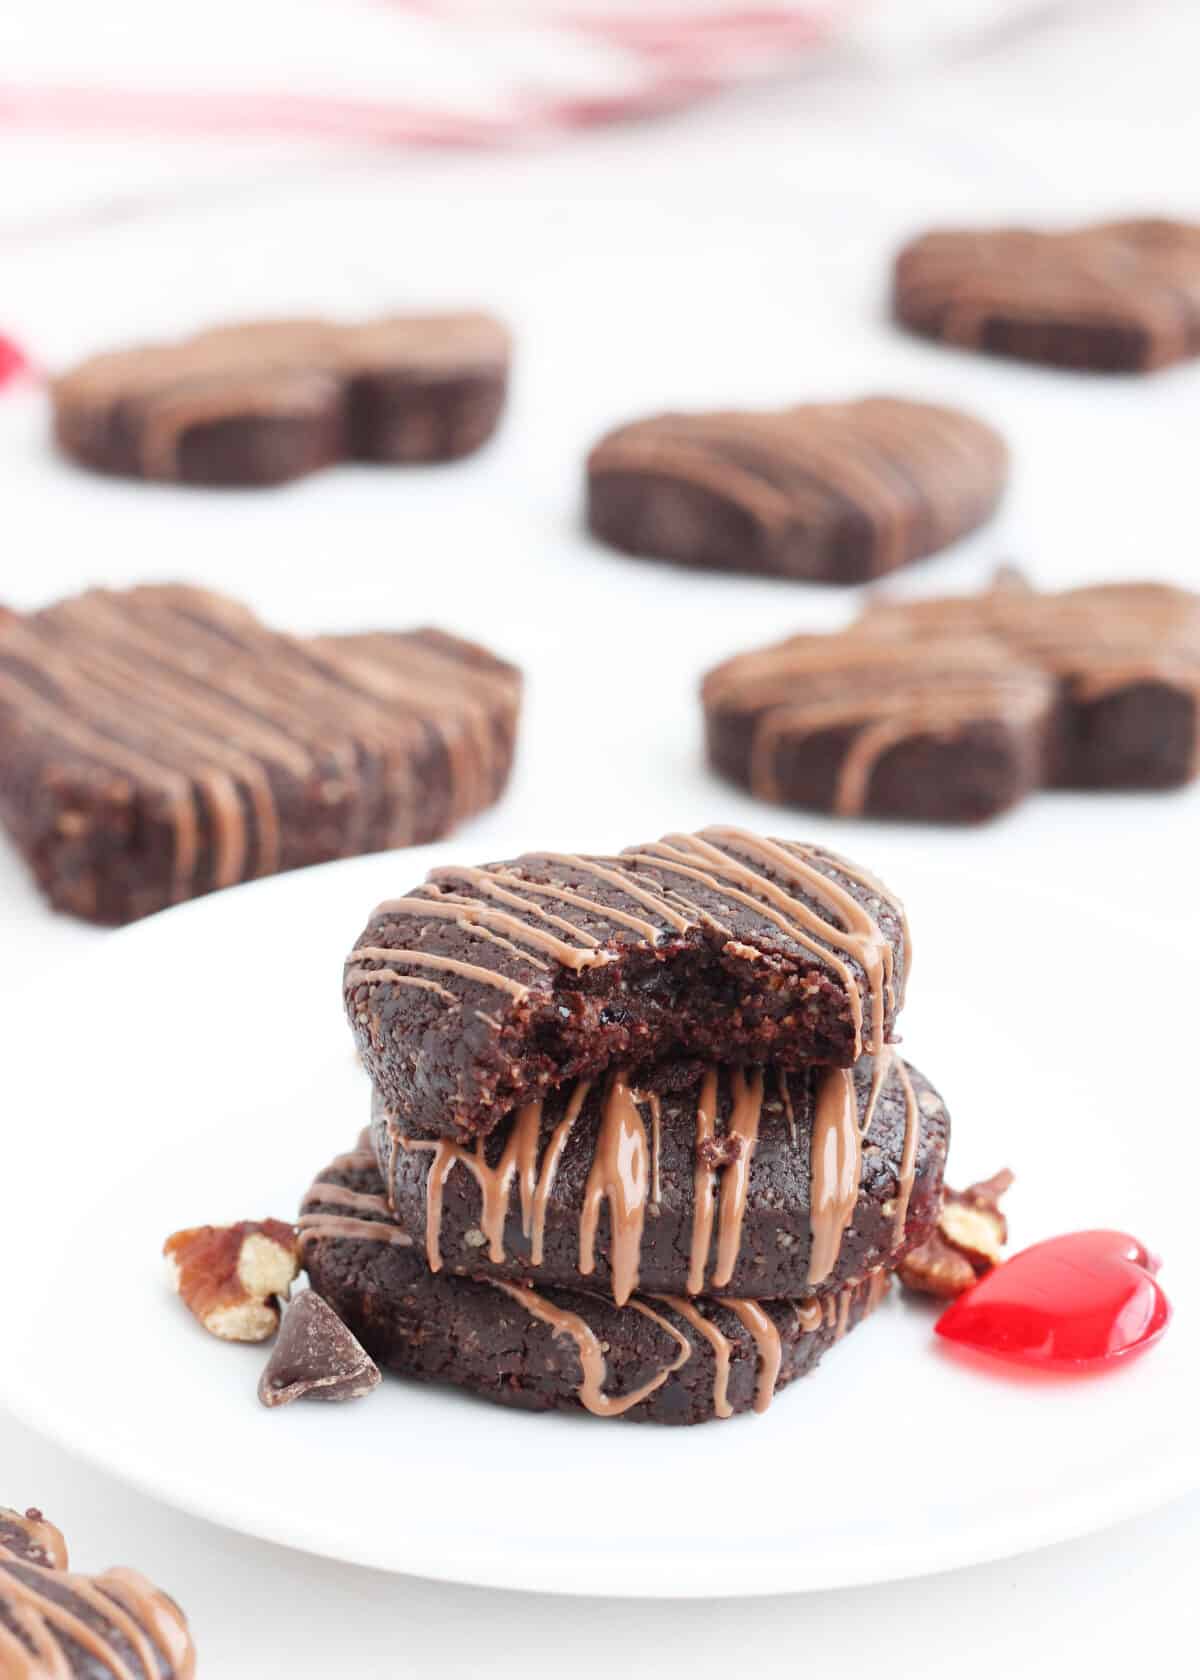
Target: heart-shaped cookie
{"points": [[1073, 1303], [1114, 297], [827, 492]]}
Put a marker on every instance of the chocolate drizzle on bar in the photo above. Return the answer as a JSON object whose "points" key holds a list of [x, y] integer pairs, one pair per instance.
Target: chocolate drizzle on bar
{"points": [[55, 1625], [1116, 296], [241, 751], [836, 492], [408, 388], [961, 683], [620, 1176], [802, 952], [773, 1328]]}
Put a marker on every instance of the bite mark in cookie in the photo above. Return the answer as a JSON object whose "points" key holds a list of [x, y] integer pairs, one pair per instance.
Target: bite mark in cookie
{"points": [[520, 976]]}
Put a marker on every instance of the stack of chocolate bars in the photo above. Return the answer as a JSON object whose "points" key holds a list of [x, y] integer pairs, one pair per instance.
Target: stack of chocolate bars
{"points": [[639, 1141]]}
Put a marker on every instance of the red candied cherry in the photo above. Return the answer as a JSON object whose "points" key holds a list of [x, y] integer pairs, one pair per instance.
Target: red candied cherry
{"points": [[13, 361], [1073, 1303]]}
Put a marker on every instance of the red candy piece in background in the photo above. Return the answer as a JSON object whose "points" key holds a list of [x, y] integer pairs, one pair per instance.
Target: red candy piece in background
{"points": [[1074, 1303], [13, 361]]}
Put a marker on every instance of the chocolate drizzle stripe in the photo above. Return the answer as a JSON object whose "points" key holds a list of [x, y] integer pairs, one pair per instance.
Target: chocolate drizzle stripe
{"points": [[908, 1160], [735, 1178], [121, 708], [340, 1195], [879, 1282], [354, 1160], [370, 976], [810, 1315], [872, 884], [769, 1345], [653, 900], [17, 1661], [549, 1170], [836, 1165], [879, 1073], [887, 721], [205, 710], [56, 1618], [624, 1172], [130, 658], [591, 1355], [651, 1099], [717, 1340], [518, 1159], [493, 884], [428, 959], [311, 1227], [156, 1612], [126, 1624], [92, 744], [700, 917], [694, 464], [464, 729], [479, 931], [476, 916], [562, 894], [167, 415], [704, 1190], [619, 1176]]}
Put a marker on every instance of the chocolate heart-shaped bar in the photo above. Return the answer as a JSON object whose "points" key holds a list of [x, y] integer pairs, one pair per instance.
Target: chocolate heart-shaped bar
{"points": [[1115, 297], [828, 492], [268, 401], [1073, 1303]]}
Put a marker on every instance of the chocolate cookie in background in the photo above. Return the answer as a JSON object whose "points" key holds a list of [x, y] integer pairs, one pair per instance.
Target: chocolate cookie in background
{"points": [[1115, 297], [951, 730], [554, 967], [161, 742], [825, 492], [658, 1359], [1124, 659], [720, 1181], [954, 709], [114, 1626], [273, 400]]}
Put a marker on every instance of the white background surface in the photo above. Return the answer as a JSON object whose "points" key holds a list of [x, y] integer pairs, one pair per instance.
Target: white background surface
{"points": [[737, 254]]}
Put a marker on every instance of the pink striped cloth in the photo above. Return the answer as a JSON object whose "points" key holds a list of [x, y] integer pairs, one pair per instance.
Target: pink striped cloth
{"points": [[414, 72], [427, 72]]}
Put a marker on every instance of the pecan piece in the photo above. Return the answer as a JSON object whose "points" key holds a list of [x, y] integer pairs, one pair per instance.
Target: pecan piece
{"points": [[231, 1277], [966, 1243]]}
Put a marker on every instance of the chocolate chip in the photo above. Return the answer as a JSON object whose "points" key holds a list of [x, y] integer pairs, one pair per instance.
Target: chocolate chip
{"points": [[315, 1357]]}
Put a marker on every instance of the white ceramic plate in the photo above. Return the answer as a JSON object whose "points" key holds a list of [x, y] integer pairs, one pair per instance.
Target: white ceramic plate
{"points": [[197, 1068]]}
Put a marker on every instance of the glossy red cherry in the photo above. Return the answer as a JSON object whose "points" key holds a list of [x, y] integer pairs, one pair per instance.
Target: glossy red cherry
{"points": [[13, 361], [1073, 1303]]}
